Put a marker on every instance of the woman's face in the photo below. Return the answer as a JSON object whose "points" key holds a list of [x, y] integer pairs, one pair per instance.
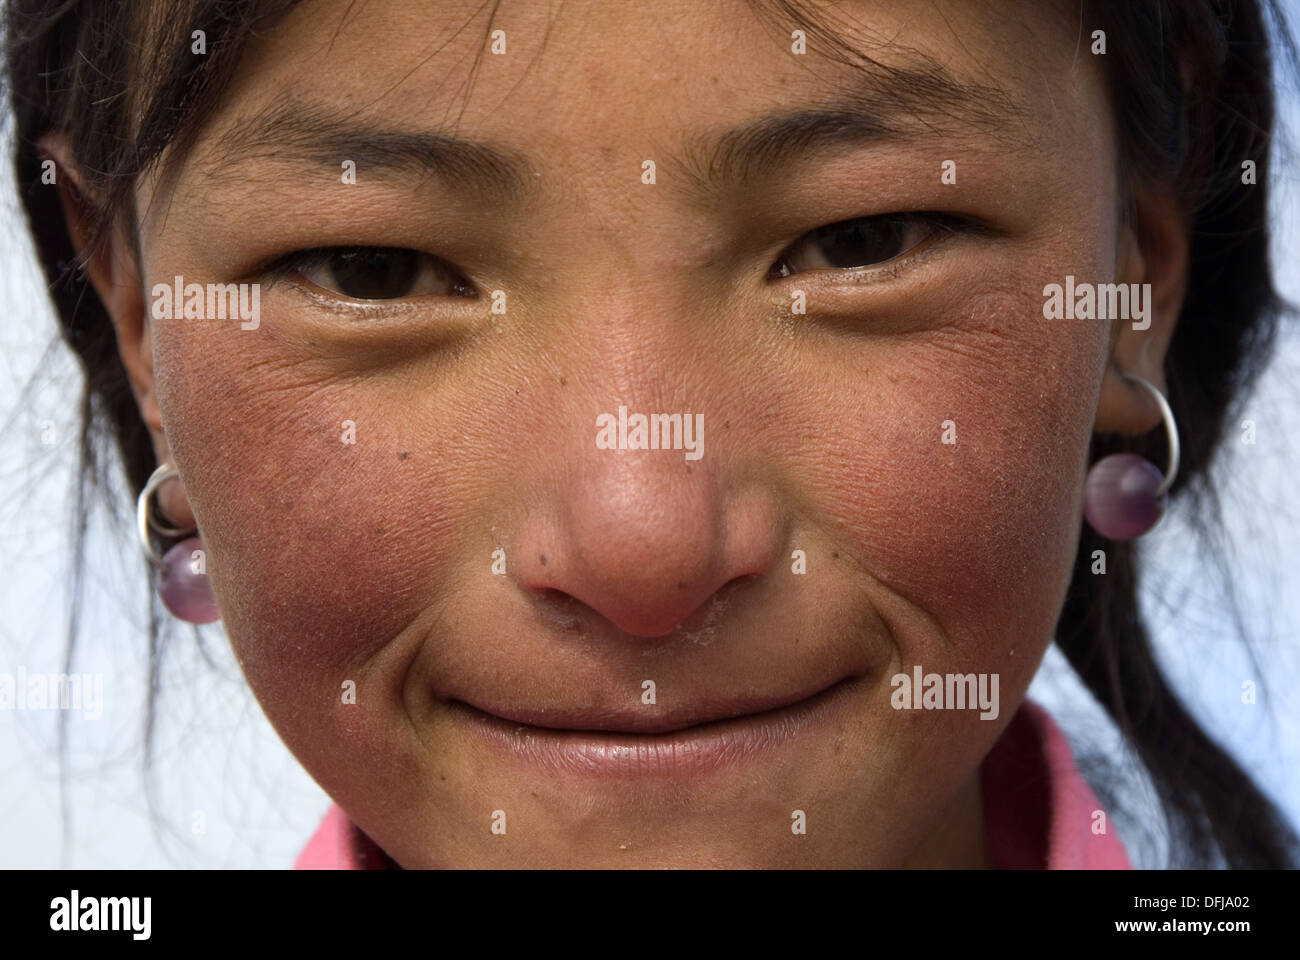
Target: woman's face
{"points": [[413, 499]]}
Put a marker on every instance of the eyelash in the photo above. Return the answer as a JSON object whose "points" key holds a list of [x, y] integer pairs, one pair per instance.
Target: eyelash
{"points": [[297, 262], [940, 225], [302, 262]]}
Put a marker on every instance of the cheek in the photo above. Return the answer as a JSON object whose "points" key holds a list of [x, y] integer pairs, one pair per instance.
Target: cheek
{"points": [[322, 542], [957, 473]]}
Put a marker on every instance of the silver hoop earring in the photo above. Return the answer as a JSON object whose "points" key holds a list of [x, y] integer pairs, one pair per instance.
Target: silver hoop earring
{"points": [[181, 576], [144, 517]]}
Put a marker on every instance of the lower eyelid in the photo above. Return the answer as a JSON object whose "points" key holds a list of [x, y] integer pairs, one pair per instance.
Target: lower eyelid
{"points": [[940, 232], [938, 236], [914, 258], [327, 300]]}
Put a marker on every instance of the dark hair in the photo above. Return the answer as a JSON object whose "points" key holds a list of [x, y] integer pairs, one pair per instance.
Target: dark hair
{"points": [[1191, 91], [1192, 84]]}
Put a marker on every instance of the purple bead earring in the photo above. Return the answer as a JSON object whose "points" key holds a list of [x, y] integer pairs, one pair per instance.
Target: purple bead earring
{"points": [[181, 578], [1124, 495]]}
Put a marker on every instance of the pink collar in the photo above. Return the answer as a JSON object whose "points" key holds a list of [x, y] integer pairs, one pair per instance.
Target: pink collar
{"points": [[1038, 810]]}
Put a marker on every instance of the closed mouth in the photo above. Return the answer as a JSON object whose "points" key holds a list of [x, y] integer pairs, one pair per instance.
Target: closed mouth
{"points": [[698, 739]]}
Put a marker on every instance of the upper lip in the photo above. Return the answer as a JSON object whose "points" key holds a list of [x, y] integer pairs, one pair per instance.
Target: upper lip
{"points": [[651, 718]]}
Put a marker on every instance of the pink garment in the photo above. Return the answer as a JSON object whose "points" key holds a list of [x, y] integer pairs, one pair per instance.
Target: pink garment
{"points": [[1039, 812]]}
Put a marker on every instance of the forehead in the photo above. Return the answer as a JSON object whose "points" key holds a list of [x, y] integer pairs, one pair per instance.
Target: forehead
{"points": [[591, 78]]}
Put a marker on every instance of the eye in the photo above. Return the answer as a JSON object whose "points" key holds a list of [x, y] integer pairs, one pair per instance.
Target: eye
{"points": [[374, 273], [864, 242]]}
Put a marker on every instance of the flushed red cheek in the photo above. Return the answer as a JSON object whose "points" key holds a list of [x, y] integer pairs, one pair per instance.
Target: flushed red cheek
{"points": [[978, 531], [302, 525]]}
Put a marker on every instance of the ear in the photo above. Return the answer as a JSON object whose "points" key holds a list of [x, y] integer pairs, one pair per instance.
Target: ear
{"points": [[114, 273], [1155, 250]]}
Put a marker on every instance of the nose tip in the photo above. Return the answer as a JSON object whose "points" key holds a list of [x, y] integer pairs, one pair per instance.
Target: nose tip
{"points": [[649, 556]]}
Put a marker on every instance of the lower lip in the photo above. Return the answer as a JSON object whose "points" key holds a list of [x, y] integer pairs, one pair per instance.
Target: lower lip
{"points": [[679, 754]]}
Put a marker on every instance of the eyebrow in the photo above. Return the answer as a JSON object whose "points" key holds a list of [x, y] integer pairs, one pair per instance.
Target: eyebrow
{"points": [[290, 131], [884, 103]]}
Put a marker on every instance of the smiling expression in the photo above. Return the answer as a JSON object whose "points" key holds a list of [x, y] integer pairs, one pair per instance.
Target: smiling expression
{"points": [[497, 587]]}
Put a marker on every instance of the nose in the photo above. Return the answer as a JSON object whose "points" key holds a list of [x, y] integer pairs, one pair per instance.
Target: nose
{"points": [[646, 539]]}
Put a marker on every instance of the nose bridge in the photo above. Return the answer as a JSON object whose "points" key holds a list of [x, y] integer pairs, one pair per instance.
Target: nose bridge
{"points": [[632, 318], [641, 239], [639, 516]]}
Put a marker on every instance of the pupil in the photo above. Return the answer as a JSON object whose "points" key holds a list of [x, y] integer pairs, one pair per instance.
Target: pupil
{"points": [[375, 274], [862, 243]]}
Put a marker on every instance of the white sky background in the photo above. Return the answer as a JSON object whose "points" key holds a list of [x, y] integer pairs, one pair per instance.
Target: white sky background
{"points": [[216, 753]]}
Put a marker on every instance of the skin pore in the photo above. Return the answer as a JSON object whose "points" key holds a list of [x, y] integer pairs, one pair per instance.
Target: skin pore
{"points": [[372, 562]]}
